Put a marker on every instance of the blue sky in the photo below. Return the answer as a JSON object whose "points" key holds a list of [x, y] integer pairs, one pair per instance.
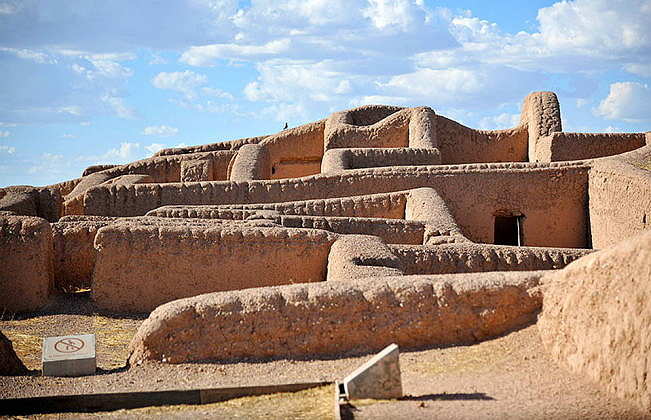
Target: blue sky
{"points": [[94, 81]]}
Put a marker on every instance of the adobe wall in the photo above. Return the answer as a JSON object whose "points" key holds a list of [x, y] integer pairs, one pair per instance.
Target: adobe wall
{"points": [[211, 147], [334, 318], [296, 152], [428, 207], [391, 231], [140, 266], [357, 256], [575, 146], [474, 258], [596, 318], [336, 160], [620, 201], [461, 144], [368, 126], [26, 261], [388, 206], [45, 202], [552, 196], [74, 252], [541, 114], [252, 161]]}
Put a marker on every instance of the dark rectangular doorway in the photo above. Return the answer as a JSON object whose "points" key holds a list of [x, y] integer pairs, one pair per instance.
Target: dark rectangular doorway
{"points": [[508, 230]]}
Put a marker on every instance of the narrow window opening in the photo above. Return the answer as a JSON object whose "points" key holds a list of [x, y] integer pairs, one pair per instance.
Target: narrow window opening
{"points": [[508, 230]]}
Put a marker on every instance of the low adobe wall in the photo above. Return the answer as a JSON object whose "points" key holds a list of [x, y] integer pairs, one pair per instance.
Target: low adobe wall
{"points": [[391, 231], [296, 152], [388, 206], [596, 318], [336, 160], [333, 318], [427, 206], [211, 147], [620, 201], [26, 261], [575, 146], [475, 258], [140, 267], [357, 256]]}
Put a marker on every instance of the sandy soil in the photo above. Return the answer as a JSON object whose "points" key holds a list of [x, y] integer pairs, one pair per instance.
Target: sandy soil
{"points": [[510, 377]]}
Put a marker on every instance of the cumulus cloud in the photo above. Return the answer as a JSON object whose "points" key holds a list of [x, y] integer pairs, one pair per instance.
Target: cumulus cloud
{"points": [[499, 122], [118, 106], [154, 147], [160, 131], [124, 153], [185, 82], [206, 55], [627, 101]]}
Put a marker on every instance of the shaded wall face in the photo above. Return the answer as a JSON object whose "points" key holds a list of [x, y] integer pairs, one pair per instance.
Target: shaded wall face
{"points": [[295, 168], [620, 202], [553, 204]]}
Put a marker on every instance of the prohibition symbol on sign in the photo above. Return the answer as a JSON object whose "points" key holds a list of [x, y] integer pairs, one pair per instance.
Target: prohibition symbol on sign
{"points": [[69, 345]]}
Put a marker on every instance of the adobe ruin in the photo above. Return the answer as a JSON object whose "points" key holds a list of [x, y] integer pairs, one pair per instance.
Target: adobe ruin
{"points": [[378, 224]]}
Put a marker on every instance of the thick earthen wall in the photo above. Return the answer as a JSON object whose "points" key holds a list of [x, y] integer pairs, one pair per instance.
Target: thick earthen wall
{"points": [[475, 258], [352, 129], [461, 144], [575, 146], [620, 202], [26, 263], [140, 267], [596, 318], [547, 190], [334, 318], [343, 159]]}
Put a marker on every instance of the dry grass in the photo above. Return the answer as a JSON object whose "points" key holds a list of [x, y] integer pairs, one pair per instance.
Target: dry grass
{"points": [[476, 358], [315, 403], [112, 336]]}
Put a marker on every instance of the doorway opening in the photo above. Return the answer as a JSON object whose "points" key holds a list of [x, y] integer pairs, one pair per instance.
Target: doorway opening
{"points": [[508, 230]]}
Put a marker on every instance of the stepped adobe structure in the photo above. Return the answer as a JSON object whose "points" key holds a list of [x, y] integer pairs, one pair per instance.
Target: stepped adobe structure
{"points": [[378, 224]]}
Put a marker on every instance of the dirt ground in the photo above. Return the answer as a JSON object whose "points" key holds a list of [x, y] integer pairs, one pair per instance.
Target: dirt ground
{"points": [[507, 378]]}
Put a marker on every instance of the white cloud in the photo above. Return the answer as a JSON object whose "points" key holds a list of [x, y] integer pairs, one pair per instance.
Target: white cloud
{"points": [[26, 54], [49, 163], [71, 109], [627, 101], [68, 136], [118, 106], [160, 131], [125, 153], [217, 93], [185, 82], [398, 14], [206, 55], [499, 122], [8, 9], [7, 149], [5, 133], [154, 147], [639, 69]]}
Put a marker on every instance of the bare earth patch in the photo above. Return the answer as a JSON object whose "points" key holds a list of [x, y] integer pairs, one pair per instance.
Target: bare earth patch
{"points": [[509, 377]]}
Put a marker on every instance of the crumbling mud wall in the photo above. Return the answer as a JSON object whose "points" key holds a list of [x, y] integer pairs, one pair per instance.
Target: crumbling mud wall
{"points": [[26, 263], [332, 318], [356, 256], [596, 318], [541, 114], [142, 266]]}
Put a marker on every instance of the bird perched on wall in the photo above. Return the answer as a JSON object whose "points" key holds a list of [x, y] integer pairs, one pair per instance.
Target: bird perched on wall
{"points": [[285, 127]]}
